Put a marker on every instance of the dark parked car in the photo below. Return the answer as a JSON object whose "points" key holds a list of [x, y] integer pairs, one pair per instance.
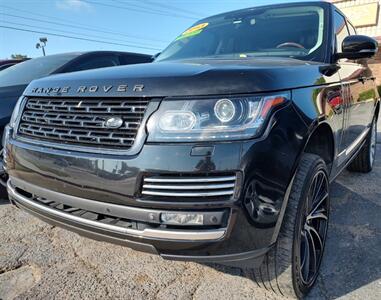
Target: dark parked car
{"points": [[13, 81], [222, 150], [5, 64]]}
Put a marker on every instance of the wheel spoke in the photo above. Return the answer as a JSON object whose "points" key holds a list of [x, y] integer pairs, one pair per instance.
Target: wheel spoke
{"points": [[312, 250], [317, 191], [319, 203], [311, 230], [318, 214], [250, 206], [306, 265]]}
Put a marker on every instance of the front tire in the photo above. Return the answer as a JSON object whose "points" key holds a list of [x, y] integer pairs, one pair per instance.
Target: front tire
{"points": [[364, 160], [291, 266], [3, 179]]}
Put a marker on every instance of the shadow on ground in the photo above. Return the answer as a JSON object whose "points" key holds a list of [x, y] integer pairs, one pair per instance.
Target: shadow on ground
{"points": [[352, 256], [4, 200]]}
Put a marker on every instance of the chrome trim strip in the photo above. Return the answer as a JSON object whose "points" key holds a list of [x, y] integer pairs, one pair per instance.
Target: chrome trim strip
{"points": [[357, 141], [196, 194], [189, 187], [194, 179], [184, 235]]}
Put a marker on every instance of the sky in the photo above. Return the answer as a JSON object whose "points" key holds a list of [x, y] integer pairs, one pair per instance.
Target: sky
{"points": [[145, 26]]}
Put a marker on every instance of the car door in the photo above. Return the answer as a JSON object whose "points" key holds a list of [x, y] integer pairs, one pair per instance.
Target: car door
{"points": [[339, 101], [358, 93]]}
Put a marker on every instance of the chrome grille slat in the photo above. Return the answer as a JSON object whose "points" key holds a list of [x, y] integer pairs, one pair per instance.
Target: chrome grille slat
{"points": [[189, 186], [183, 194], [192, 179], [81, 121]]}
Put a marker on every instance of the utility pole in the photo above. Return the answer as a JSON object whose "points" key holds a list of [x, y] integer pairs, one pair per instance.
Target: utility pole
{"points": [[42, 44]]}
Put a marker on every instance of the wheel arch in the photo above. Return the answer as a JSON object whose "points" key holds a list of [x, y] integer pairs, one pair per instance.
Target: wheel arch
{"points": [[321, 142], [326, 150]]}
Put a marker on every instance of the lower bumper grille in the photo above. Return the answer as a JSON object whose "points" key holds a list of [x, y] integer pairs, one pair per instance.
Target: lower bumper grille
{"points": [[190, 186], [64, 211]]}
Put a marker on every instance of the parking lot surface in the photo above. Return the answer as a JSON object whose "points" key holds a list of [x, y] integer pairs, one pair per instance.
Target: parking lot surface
{"points": [[39, 261]]}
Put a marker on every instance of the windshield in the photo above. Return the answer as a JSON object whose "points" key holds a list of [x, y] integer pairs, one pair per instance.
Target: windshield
{"points": [[25, 72], [286, 32]]}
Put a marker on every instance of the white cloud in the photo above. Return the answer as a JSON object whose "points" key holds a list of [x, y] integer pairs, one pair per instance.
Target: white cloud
{"points": [[73, 5]]}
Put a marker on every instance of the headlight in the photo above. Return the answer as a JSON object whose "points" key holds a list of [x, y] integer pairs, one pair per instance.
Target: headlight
{"points": [[15, 113], [212, 119]]}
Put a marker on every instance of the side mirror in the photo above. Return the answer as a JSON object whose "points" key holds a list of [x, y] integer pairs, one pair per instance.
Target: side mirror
{"points": [[358, 46]]}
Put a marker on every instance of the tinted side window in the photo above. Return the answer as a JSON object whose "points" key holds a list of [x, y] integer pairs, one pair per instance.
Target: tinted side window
{"points": [[341, 30], [95, 63], [134, 59]]}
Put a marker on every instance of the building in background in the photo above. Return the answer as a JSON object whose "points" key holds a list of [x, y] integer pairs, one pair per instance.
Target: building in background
{"points": [[365, 15]]}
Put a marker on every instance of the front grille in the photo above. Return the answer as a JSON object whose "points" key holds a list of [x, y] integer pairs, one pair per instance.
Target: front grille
{"points": [[190, 186], [82, 121]]}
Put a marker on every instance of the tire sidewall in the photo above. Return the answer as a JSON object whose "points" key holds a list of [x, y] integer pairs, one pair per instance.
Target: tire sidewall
{"points": [[373, 130]]}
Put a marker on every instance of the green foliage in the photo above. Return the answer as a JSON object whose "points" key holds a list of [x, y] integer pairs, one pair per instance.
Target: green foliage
{"points": [[379, 90], [19, 56], [366, 95]]}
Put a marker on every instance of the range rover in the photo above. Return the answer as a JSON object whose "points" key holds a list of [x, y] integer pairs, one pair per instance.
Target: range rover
{"points": [[221, 151]]}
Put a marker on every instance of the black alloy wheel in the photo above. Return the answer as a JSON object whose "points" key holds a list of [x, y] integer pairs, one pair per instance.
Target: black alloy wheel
{"points": [[364, 160], [313, 229]]}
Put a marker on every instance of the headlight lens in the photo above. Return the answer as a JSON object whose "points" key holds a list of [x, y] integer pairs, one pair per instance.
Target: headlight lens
{"points": [[15, 113], [212, 119], [224, 110], [177, 120]]}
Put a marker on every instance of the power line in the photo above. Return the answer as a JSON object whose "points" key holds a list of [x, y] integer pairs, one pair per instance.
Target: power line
{"points": [[78, 38], [65, 31], [129, 4], [82, 26], [160, 10], [42, 21], [173, 7], [138, 10]]}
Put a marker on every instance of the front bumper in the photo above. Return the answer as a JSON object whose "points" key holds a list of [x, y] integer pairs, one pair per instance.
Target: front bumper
{"points": [[121, 235], [124, 212], [111, 186]]}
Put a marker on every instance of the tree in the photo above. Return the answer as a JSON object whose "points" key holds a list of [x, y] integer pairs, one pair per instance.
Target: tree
{"points": [[19, 56]]}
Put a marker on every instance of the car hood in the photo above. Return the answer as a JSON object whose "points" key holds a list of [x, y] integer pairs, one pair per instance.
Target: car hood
{"points": [[183, 78]]}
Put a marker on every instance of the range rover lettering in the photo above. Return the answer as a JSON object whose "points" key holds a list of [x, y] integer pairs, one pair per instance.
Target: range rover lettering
{"points": [[222, 150]]}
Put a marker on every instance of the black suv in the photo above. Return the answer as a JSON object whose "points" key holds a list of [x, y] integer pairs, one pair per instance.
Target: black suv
{"points": [[222, 150]]}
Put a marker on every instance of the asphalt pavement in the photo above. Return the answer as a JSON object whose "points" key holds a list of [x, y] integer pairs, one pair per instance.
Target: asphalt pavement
{"points": [[39, 261]]}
